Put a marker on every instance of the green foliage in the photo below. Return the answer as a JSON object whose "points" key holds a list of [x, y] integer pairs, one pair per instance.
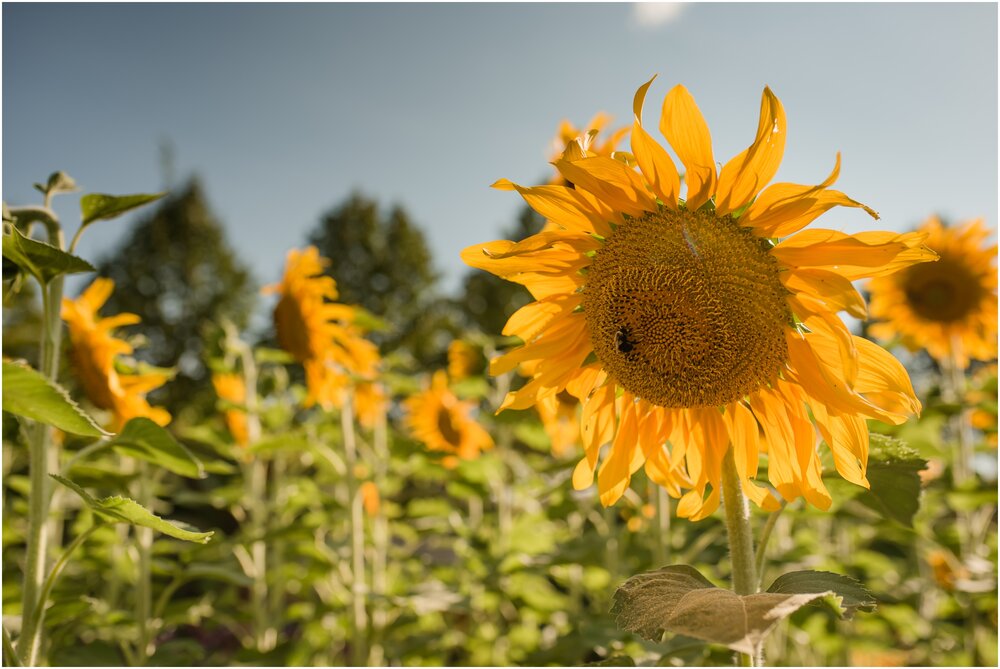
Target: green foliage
{"points": [[43, 261], [381, 261], [142, 438], [177, 272], [29, 394], [851, 595], [894, 473], [101, 207], [117, 509]]}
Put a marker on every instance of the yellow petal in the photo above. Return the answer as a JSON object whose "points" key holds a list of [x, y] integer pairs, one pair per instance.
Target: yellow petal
{"points": [[830, 288], [611, 181], [563, 206], [744, 176], [685, 128], [653, 160]]}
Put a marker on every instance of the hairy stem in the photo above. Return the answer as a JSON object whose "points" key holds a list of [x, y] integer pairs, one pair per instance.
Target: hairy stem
{"points": [[359, 650], [737, 512]]}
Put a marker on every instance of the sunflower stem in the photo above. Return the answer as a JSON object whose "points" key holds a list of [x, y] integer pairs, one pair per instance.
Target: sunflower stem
{"points": [[737, 512], [359, 650], [380, 539], [765, 536], [144, 585]]}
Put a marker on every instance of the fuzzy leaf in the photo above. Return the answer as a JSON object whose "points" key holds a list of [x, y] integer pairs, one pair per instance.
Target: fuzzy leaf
{"points": [[27, 393], [118, 509], [680, 600], [142, 438], [98, 206], [893, 471], [851, 594], [59, 182], [44, 261]]}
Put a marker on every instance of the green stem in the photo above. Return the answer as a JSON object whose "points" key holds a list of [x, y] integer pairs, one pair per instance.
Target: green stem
{"points": [[661, 550], [737, 512], [380, 541], [359, 650], [258, 550], [765, 536], [144, 586], [10, 658]]}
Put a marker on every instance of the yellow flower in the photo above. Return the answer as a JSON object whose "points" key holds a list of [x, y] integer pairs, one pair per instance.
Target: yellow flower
{"points": [[464, 360], [442, 422], [688, 323], [585, 138], [369, 401], [559, 418], [318, 332], [370, 499], [232, 388], [949, 307], [93, 352]]}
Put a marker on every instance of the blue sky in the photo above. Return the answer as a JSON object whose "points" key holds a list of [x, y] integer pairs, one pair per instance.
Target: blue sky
{"points": [[282, 110]]}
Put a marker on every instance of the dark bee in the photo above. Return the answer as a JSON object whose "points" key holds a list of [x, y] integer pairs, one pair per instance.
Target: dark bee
{"points": [[622, 341]]}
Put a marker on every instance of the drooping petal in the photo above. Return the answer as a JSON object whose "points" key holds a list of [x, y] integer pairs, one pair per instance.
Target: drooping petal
{"points": [[742, 178]]}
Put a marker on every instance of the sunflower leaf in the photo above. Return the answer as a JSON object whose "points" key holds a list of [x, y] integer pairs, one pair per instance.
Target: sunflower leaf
{"points": [[143, 439], [894, 474], [43, 261], [118, 509], [679, 600], [98, 206], [852, 596], [27, 393], [59, 182]]}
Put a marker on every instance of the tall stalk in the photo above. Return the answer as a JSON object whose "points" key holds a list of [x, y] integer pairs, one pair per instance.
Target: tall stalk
{"points": [[359, 642], [380, 541], [38, 459], [144, 583], [740, 534]]}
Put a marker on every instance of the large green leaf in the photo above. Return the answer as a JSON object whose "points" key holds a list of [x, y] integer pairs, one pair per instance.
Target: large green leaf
{"points": [[894, 474], [99, 206], [678, 599], [28, 393], [851, 594], [142, 438], [118, 509], [44, 261]]}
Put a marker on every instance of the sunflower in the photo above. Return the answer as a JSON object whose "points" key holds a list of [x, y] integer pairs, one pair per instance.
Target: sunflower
{"points": [[320, 333], [948, 307], [464, 360], [442, 422], [686, 326], [586, 138], [370, 400], [559, 418], [94, 351], [231, 387]]}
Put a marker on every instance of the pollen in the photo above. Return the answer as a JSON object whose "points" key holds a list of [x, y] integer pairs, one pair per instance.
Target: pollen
{"points": [[685, 309]]}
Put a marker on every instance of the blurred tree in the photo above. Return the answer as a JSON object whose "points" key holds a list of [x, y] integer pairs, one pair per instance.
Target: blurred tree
{"points": [[489, 300], [178, 273], [382, 262]]}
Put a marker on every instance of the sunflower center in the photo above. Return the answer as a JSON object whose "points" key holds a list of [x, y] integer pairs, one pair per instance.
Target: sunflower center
{"points": [[685, 309], [944, 291], [447, 428]]}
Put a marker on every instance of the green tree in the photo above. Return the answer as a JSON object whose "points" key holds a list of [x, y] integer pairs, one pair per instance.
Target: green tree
{"points": [[489, 300], [381, 261], [178, 273]]}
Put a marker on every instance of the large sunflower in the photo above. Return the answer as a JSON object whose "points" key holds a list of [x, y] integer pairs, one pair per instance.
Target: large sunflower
{"points": [[94, 351], [442, 422], [948, 307], [688, 325], [320, 333]]}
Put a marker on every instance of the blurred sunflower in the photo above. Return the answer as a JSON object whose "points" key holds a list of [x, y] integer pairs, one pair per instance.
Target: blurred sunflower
{"points": [[559, 418], [321, 334], [948, 307], [94, 352], [686, 321], [464, 360], [231, 387], [442, 422], [370, 400], [586, 139]]}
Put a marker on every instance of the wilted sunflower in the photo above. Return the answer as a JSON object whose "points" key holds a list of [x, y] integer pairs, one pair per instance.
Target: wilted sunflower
{"points": [[442, 422], [94, 351], [318, 332], [688, 322], [948, 307], [232, 388]]}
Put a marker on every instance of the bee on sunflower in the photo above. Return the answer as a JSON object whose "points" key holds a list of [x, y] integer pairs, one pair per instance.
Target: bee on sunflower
{"points": [[949, 307], [689, 327]]}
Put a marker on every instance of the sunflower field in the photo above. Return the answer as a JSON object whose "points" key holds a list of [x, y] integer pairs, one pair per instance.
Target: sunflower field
{"points": [[673, 420]]}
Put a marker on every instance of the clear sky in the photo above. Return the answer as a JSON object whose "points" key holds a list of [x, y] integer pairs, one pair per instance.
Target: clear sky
{"points": [[282, 110]]}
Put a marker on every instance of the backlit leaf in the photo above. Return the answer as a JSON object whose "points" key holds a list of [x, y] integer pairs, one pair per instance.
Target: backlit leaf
{"points": [[44, 261], [142, 438], [99, 206], [27, 393]]}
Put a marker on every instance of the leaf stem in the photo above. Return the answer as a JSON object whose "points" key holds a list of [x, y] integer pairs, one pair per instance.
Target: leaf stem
{"points": [[10, 658]]}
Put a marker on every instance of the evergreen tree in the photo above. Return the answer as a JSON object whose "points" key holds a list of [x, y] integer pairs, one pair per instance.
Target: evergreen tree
{"points": [[490, 300], [178, 273], [382, 263]]}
